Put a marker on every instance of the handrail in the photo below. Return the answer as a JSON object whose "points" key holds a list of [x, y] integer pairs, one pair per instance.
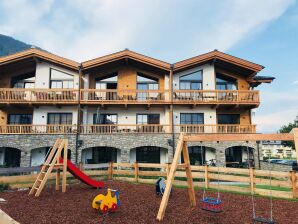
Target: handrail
{"points": [[126, 128]]}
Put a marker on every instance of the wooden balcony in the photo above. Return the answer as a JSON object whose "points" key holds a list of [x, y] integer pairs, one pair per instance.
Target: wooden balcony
{"points": [[215, 128], [96, 96], [126, 129], [38, 96], [108, 96], [250, 97]]}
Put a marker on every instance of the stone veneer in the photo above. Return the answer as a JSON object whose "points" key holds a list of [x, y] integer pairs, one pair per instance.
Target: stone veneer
{"points": [[124, 142]]}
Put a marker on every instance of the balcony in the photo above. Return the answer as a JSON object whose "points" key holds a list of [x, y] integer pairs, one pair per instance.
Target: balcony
{"points": [[216, 97], [38, 96], [108, 96], [96, 96], [127, 129]]}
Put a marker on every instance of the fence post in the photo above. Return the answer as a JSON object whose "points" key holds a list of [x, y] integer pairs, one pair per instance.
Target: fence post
{"points": [[252, 180], [168, 169], [293, 179], [81, 167], [206, 176], [110, 171], [136, 172]]}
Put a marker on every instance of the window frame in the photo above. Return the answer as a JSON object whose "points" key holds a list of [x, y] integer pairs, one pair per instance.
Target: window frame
{"points": [[60, 118], [217, 116], [200, 114], [191, 81], [61, 80], [142, 114], [115, 114], [17, 123]]}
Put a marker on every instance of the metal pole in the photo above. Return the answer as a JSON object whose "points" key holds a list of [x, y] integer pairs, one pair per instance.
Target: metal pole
{"points": [[78, 115]]}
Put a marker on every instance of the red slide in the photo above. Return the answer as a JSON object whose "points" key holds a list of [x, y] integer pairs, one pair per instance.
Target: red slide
{"points": [[81, 176]]}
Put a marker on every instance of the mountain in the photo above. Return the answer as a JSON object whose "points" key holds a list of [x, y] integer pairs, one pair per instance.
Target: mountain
{"points": [[8, 45]]}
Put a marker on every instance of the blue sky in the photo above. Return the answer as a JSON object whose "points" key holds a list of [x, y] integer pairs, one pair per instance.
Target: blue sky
{"points": [[263, 31]]}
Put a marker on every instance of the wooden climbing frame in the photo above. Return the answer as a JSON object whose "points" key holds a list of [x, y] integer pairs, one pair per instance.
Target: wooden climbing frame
{"points": [[53, 161]]}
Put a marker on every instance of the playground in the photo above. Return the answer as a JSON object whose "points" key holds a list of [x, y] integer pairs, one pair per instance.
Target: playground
{"points": [[139, 205]]}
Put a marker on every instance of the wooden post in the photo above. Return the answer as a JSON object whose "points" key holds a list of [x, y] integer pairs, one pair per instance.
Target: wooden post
{"points": [[206, 177], [57, 179], [293, 179], [81, 166], [110, 171], [252, 180], [64, 165], [168, 169], [136, 167], [191, 190], [295, 133]]}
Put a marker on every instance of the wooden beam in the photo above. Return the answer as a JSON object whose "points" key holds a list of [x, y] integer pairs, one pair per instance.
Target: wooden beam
{"points": [[64, 165], [295, 134], [240, 137], [170, 180]]}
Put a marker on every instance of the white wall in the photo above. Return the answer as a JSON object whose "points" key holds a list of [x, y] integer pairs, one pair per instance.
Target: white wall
{"points": [[210, 154], [38, 156], [40, 114], [42, 76], [208, 76]]}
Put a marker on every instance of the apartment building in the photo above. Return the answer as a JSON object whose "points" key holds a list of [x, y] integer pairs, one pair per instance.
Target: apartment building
{"points": [[276, 149], [125, 107]]}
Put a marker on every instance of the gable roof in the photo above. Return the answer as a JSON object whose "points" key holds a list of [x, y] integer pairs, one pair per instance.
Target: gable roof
{"points": [[217, 55], [34, 52], [126, 54]]}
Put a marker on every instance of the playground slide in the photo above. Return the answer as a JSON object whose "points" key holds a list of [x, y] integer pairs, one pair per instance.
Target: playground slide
{"points": [[83, 177]]}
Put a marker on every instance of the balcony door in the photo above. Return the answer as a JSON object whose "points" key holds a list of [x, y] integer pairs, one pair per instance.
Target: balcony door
{"points": [[61, 80], [147, 83], [192, 81], [190, 122], [59, 122], [147, 123], [106, 123], [228, 123], [20, 119], [106, 83]]}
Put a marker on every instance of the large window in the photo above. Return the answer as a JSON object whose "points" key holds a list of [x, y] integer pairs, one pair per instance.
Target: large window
{"points": [[20, 119], [228, 119], [105, 118], [148, 154], [146, 83], [61, 80], [191, 81], [225, 82], [107, 82], [191, 118], [148, 118], [60, 118], [197, 155], [23, 83]]}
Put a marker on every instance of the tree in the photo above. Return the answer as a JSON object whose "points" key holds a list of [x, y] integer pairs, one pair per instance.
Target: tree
{"points": [[286, 129]]}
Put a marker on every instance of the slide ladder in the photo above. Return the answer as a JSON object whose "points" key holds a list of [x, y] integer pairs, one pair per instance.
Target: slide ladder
{"points": [[52, 162]]}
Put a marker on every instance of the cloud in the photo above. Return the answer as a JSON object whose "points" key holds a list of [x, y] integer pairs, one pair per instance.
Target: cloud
{"points": [[169, 29], [295, 82], [271, 122]]}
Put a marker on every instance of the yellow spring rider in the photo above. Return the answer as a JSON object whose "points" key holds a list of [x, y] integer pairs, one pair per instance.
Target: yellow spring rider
{"points": [[105, 203]]}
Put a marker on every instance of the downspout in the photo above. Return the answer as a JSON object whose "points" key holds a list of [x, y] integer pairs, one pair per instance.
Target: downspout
{"points": [[78, 114], [172, 106]]}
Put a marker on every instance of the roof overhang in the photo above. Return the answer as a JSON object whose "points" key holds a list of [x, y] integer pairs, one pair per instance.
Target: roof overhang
{"points": [[125, 56], [221, 59], [33, 53]]}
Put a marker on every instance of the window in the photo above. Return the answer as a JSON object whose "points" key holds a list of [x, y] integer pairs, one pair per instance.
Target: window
{"points": [[191, 81], [148, 154], [105, 119], [20, 82], [188, 118], [60, 118], [107, 82], [61, 80], [225, 83], [104, 155], [196, 155], [148, 118], [20, 119], [146, 83], [228, 119]]}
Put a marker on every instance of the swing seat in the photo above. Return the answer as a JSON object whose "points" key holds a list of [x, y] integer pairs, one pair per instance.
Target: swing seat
{"points": [[212, 205], [263, 220]]}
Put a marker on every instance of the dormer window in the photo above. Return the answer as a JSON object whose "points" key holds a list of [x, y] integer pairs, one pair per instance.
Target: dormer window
{"points": [[61, 80], [192, 81], [225, 83]]}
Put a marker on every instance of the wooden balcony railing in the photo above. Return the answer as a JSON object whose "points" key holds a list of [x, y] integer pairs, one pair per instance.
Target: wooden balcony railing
{"points": [[15, 95], [37, 129], [137, 96], [129, 128], [126, 129], [215, 128], [216, 96], [93, 96]]}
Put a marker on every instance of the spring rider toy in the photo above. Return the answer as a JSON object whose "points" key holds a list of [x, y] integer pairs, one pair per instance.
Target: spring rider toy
{"points": [[106, 203]]}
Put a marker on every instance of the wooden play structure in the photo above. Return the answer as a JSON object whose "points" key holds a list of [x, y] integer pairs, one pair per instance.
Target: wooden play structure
{"points": [[56, 160], [182, 147]]}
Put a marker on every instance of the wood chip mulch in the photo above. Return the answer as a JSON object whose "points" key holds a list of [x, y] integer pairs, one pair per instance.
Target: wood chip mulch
{"points": [[139, 204]]}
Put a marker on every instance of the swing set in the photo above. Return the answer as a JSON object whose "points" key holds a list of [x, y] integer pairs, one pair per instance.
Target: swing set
{"points": [[214, 204]]}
